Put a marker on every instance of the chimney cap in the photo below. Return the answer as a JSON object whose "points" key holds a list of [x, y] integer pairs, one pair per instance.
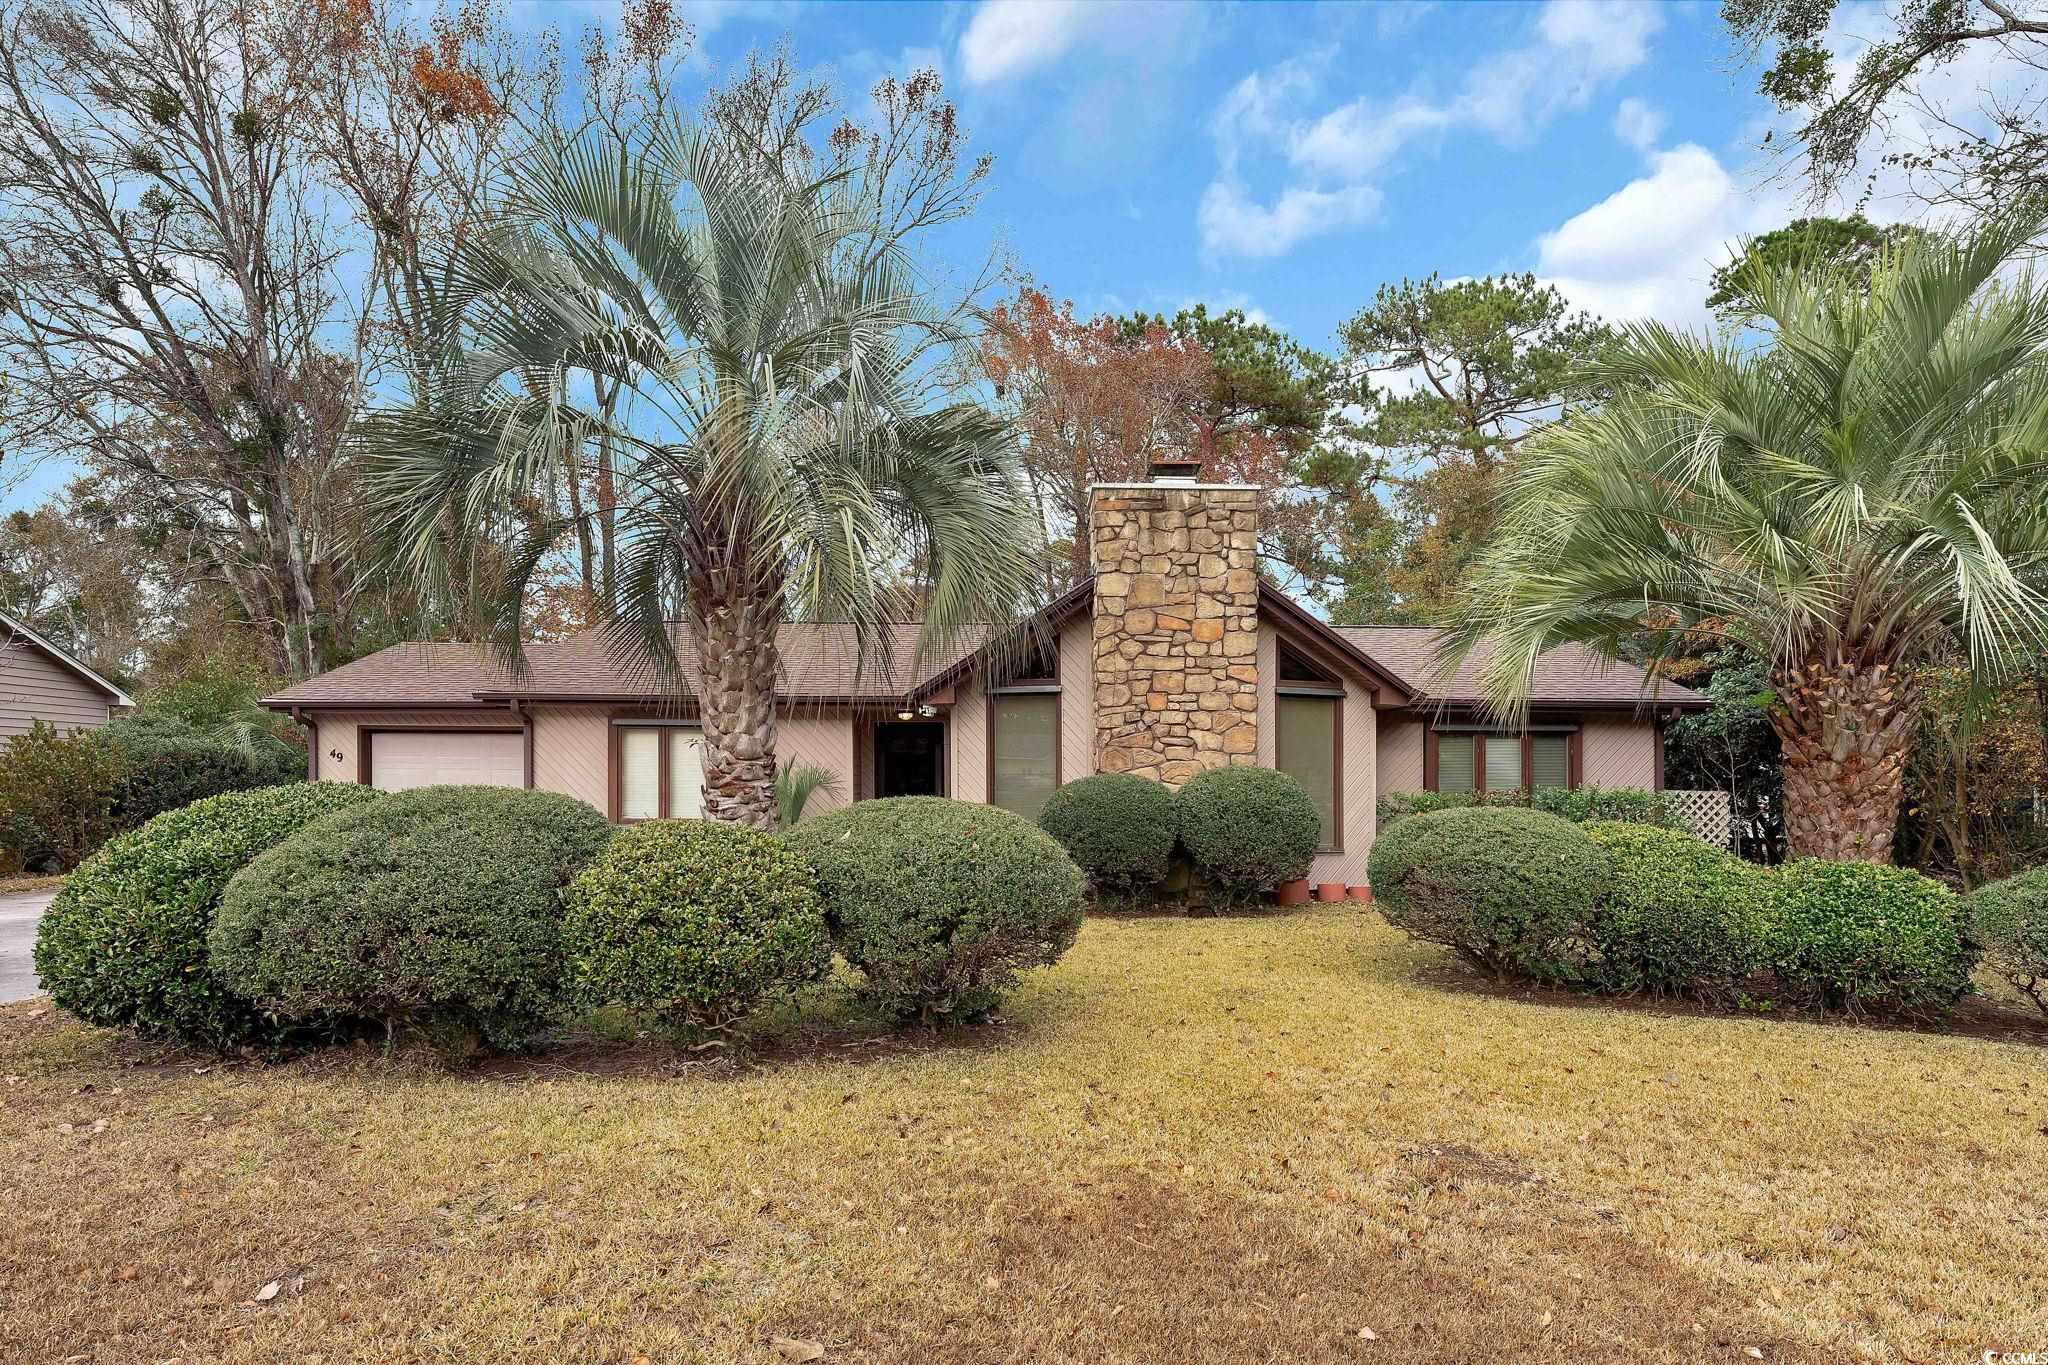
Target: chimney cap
{"points": [[1174, 469]]}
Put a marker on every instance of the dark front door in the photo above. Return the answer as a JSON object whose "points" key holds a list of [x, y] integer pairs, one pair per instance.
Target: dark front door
{"points": [[910, 758]]}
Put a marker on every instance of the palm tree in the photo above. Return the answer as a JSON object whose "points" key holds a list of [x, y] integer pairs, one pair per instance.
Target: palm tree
{"points": [[774, 415], [1863, 490]]}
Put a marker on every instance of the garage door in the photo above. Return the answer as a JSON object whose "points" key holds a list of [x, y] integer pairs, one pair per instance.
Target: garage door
{"points": [[400, 759]]}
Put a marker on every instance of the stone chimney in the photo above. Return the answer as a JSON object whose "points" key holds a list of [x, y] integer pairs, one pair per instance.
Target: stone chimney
{"points": [[1176, 624]]}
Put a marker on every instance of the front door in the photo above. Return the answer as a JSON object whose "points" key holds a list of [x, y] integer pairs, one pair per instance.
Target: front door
{"points": [[910, 758]]}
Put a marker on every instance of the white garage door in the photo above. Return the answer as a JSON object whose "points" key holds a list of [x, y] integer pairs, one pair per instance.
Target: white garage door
{"points": [[401, 759]]}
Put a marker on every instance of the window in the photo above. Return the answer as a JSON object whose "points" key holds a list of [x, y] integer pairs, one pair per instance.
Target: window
{"points": [[661, 772], [1305, 748], [1023, 750], [1473, 760]]}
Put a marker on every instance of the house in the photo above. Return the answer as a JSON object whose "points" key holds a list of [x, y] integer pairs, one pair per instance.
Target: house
{"points": [[1175, 656], [40, 682]]}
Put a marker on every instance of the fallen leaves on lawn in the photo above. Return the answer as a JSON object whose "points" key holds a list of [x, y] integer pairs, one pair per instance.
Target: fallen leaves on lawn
{"points": [[796, 1348]]}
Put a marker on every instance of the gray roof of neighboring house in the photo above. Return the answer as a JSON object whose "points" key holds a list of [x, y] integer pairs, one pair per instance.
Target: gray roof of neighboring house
{"points": [[11, 628], [1569, 674]]}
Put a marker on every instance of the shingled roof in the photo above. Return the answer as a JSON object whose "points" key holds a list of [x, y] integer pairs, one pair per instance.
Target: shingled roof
{"points": [[1566, 675], [819, 663]]}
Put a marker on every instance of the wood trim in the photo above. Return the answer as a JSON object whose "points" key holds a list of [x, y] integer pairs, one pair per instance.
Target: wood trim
{"points": [[1575, 759], [365, 737], [526, 717], [1657, 755], [611, 770], [1479, 738], [1429, 741], [1528, 761], [312, 748]]}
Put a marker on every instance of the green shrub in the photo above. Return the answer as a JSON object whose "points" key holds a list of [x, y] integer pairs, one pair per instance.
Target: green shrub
{"points": [[171, 763], [125, 942], [1512, 890], [1866, 938], [1247, 829], [2008, 921], [56, 797], [440, 906], [939, 903], [1580, 805], [698, 921], [1680, 916], [1117, 828]]}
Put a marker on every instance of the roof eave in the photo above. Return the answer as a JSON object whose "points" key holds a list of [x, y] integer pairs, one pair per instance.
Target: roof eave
{"points": [[64, 660]]}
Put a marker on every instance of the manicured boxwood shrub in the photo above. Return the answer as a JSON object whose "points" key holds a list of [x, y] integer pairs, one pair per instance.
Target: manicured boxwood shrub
{"points": [[1867, 939], [440, 907], [57, 794], [1511, 890], [1580, 805], [939, 903], [1247, 829], [1679, 917], [697, 921], [125, 942], [2008, 921], [1117, 828]]}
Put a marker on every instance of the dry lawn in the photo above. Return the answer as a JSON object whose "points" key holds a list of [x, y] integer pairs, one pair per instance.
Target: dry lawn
{"points": [[1295, 1138]]}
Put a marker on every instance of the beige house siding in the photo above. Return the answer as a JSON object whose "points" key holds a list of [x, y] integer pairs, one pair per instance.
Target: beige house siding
{"points": [[823, 739], [572, 753], [1619, 752], [33, 688], [967, 738], [1400, 755], [1077, 699]]}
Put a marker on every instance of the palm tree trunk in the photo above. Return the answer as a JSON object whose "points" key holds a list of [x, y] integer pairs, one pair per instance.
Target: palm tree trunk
{"points": [[734, 626], [1845, 730]]}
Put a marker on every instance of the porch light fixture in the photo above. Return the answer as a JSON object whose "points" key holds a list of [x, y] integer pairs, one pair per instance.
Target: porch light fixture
{"points": [[906, 714]]}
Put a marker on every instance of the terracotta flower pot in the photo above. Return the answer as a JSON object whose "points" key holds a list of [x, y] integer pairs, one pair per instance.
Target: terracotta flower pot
{"points": [[1291, 893], [1330, 891], [1361, 893]]}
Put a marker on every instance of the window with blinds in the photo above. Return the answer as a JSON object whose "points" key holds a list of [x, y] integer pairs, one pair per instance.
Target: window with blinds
{"points": [[1503, 763], [644, 751], [1550, 761], [1306, 750], [1455, 771], [1023, 750]]}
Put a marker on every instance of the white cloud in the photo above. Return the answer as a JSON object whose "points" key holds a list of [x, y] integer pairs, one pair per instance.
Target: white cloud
{"points": [[1007, 38], [1638, 123], [1648, 249], [1577, 46], [1236, 225]]}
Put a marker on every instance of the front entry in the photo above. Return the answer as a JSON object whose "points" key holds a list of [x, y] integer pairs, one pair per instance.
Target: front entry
{"points": [[910, 758]]}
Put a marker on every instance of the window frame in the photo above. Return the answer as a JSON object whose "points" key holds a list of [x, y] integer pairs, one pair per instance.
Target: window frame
{"points": [[1573, 731], [1024, 687], [1331, 694], [615, 766]]}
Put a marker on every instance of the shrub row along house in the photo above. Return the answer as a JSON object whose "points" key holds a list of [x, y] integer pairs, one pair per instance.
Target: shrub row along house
{"points": [[1174, 657]]}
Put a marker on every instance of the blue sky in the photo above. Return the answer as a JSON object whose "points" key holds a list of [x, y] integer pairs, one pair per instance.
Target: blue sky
{"points": [[1289, 158]]}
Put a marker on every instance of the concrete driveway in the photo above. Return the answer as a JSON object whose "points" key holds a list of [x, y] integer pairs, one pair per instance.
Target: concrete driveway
{"points": [[18, 916]]}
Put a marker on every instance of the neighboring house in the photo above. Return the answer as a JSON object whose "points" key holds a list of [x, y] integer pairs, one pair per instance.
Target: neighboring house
{"points": [[40, 682], [1176, 656]]}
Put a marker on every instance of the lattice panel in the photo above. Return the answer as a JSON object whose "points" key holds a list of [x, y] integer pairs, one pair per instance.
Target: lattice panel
{"points": [[1707, 812]]}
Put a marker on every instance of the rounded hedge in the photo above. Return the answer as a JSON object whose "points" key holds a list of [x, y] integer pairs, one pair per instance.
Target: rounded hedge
{"points": [[1247, 829], [1510, 889], [939, 903], [698, 921], [172, 763], [2008, 921], [1867, 938], [125, 942], [1680, 915], [1117, 828], [440, 906]]}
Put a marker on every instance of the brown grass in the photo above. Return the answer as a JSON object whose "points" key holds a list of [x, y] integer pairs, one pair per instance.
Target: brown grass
{"points": [[1210, 1140], [32, 881]]}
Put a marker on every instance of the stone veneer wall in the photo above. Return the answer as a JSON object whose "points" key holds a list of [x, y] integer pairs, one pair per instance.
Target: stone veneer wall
{"points": [[1176, 628]]}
